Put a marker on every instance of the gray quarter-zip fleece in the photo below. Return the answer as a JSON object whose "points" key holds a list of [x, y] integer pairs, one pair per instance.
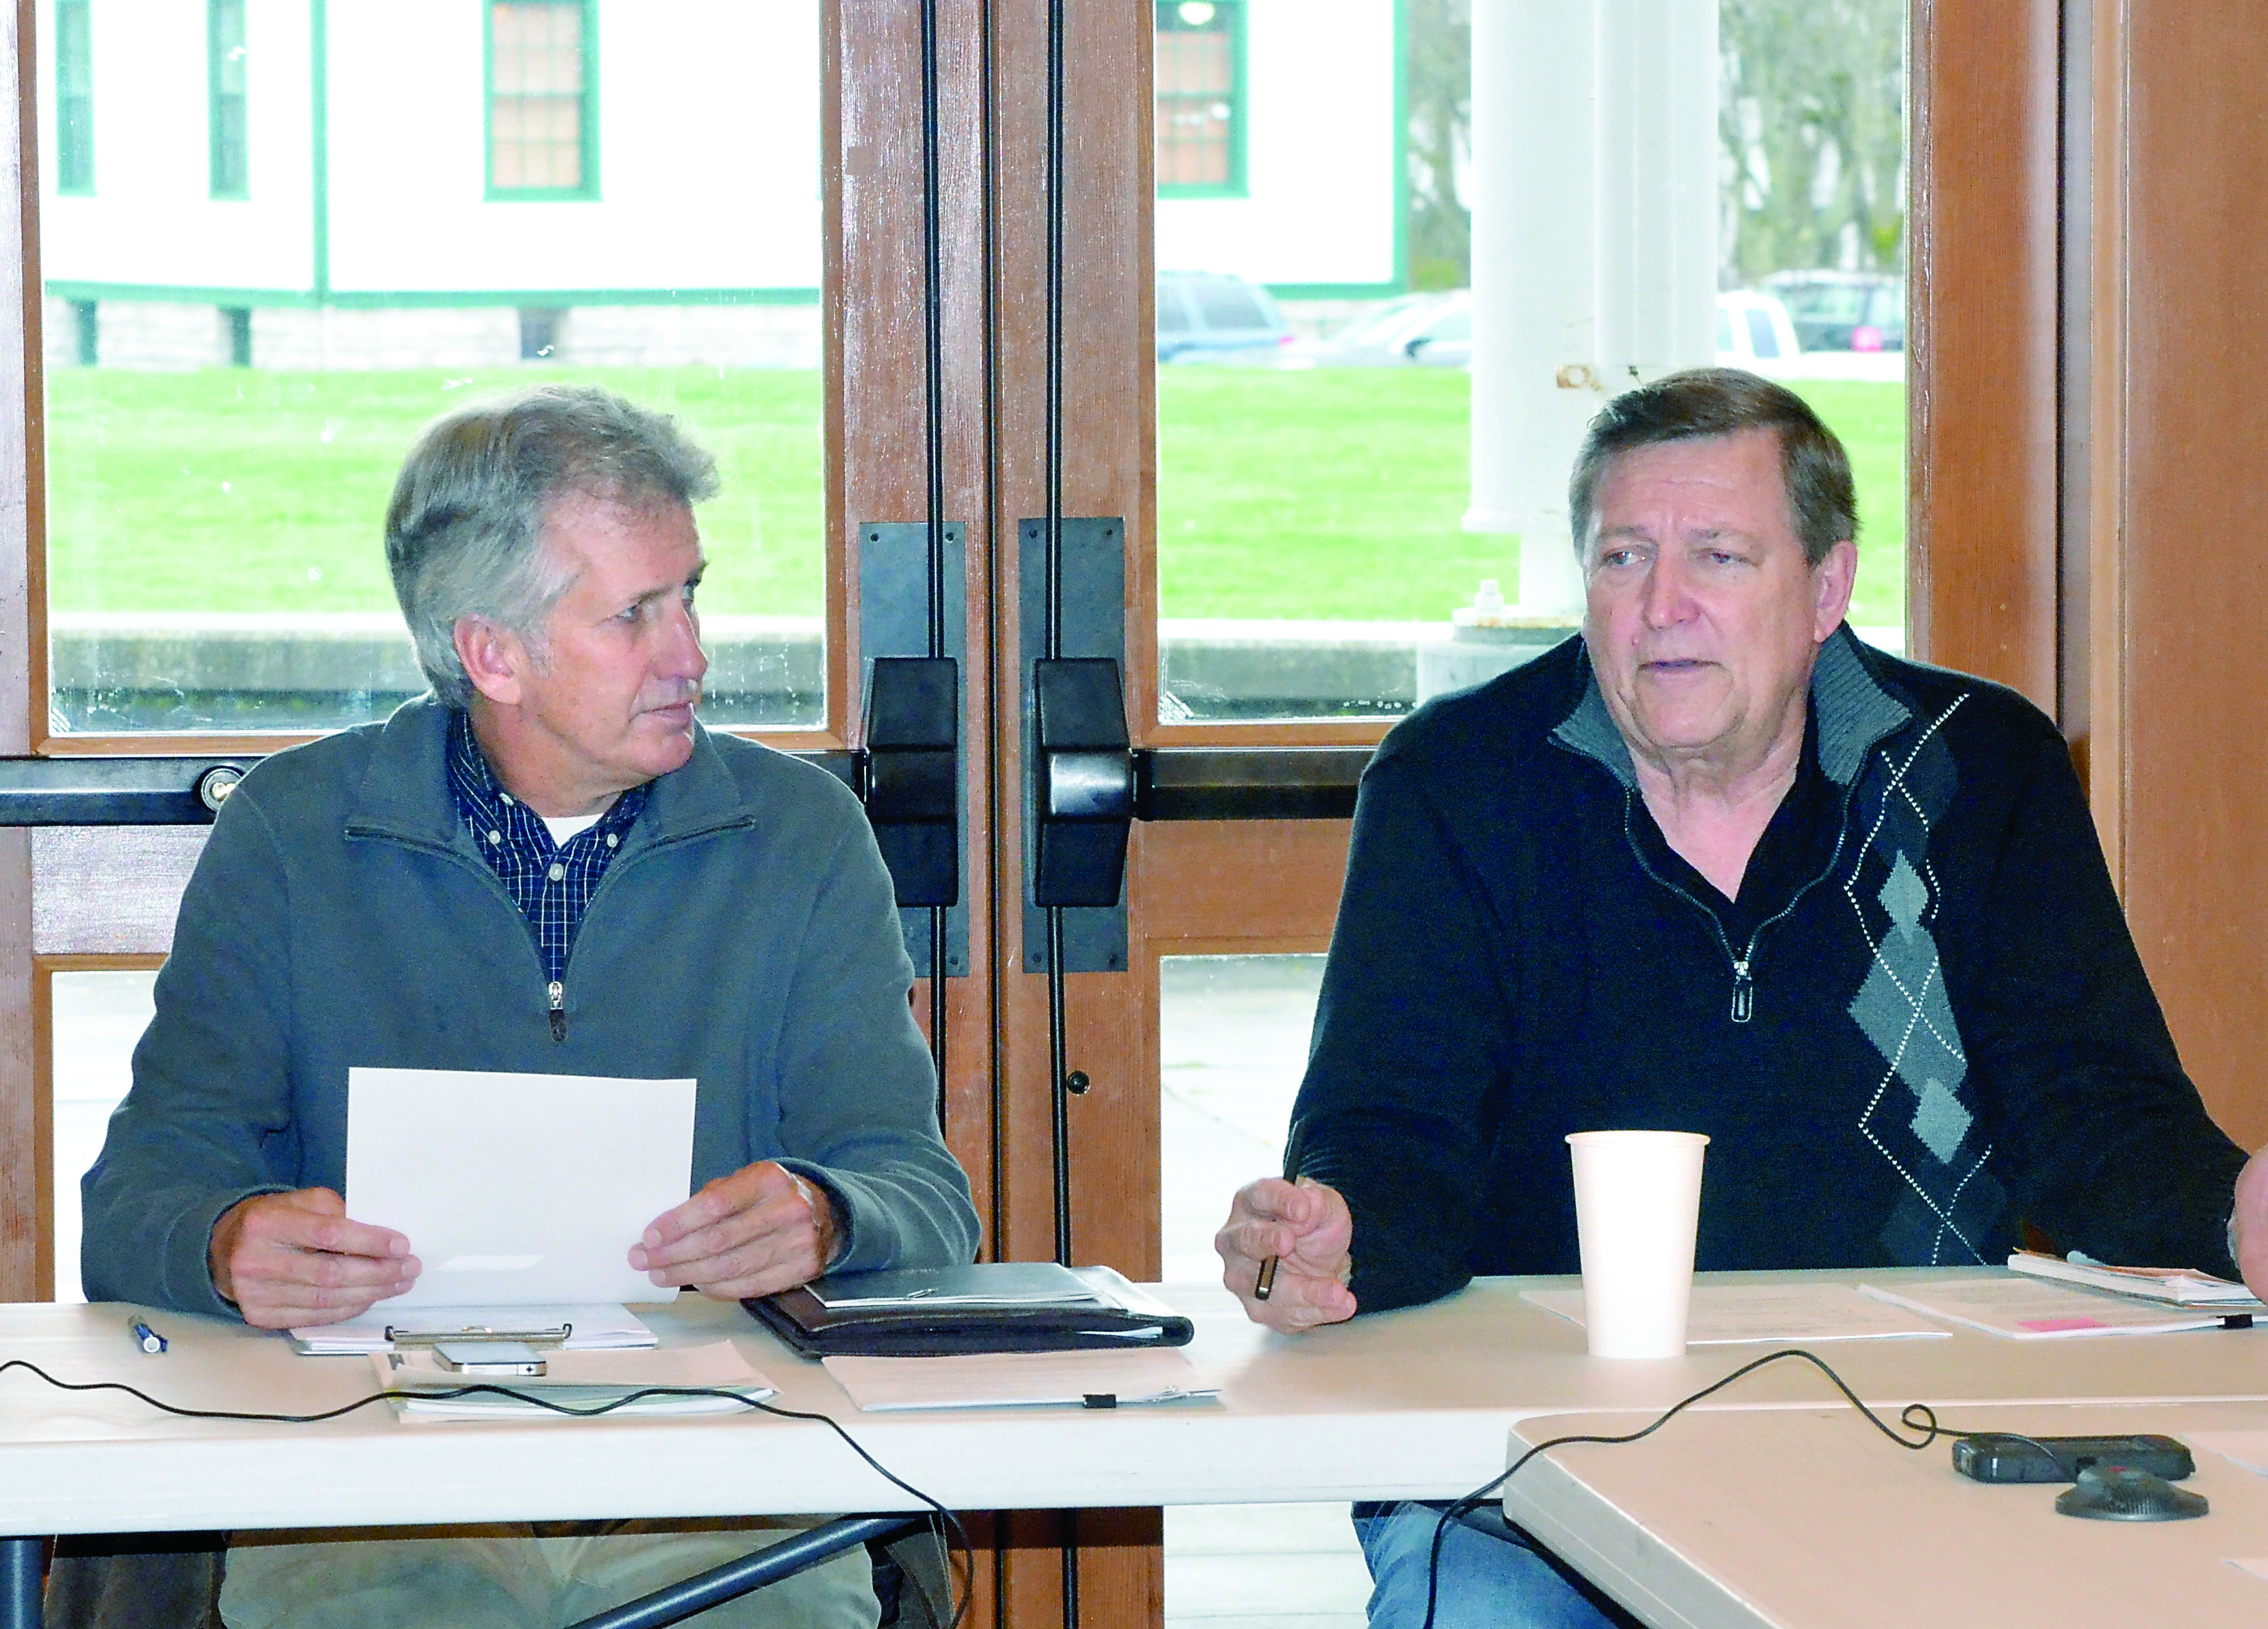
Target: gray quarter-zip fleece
{"points": [[339, 916]]}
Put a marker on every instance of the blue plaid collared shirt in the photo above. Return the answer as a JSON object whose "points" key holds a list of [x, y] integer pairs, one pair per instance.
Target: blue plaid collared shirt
{"points": [[551, 883]]}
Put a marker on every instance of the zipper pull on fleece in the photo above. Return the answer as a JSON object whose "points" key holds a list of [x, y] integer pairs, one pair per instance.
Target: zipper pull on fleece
{"points": [[558, 992], [1744, 997]]}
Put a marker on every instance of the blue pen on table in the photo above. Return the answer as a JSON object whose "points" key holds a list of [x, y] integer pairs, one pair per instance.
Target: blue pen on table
{"points": [[148, 1338], [1264, 1285]]}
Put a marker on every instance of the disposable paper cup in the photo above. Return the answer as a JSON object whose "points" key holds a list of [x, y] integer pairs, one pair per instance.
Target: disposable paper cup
{"points": [[1638, 1199]]}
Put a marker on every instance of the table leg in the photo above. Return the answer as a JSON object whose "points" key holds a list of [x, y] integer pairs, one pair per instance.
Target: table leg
{"points": [[20, 1561], [678, 1602]]}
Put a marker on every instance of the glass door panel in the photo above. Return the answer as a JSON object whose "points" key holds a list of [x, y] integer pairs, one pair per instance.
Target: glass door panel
{"points": [[1324, 547], [244, 332]]}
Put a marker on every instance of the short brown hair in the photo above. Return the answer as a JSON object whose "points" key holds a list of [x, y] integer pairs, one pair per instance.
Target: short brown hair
{"points": [[1699, 402]]}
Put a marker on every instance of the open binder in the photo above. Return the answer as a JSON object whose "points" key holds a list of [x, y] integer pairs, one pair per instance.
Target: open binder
{"points": [[1007, 1306]]}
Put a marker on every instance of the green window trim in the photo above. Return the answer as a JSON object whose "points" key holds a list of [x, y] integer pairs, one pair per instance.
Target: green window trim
{"points": [[508, 137], [229, 149], [1221, 103], [74, 98]]}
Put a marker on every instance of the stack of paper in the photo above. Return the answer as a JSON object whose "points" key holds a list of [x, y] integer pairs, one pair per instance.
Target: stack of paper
{"points": [[577, 1380], [2024, 1308], [2180, 1286], [590, 1329]]}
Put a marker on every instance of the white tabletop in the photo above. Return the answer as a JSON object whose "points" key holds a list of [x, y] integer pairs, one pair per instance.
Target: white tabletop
{"points": [[1807, 1519], [1414, 1403]]}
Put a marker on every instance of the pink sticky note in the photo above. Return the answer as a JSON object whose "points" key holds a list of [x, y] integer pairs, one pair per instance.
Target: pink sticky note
{"points": [[2049, 1327]]}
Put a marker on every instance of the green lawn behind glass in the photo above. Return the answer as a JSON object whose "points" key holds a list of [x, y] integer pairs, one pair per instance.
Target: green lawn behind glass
{"points": [[1332, 494]]}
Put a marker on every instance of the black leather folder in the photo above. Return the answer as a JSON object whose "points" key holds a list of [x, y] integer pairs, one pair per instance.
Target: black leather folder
{"points": [[1006, 1306]]}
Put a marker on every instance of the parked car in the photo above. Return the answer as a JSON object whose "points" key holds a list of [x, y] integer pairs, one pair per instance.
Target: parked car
{"points": [[1411, 330], [1755, 332], [1204, 315], [1843, 311]]}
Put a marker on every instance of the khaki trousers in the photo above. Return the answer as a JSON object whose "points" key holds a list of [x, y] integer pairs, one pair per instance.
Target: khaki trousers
{"points": [[545, 1575]]}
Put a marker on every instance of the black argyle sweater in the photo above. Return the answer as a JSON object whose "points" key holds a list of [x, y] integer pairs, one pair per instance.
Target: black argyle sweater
{"points": [[1921, 1022]]}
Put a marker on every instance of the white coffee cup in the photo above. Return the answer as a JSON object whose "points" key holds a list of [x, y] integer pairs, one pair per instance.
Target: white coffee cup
{"points": [[1637, 1202]]}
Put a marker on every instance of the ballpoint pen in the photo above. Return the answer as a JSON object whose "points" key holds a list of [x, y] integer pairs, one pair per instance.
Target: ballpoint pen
{"points": [[1264, 1285], [148, 1338]]}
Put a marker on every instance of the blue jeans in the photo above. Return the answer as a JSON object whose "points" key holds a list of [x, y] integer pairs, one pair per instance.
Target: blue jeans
{"points": [[1491, 1577]]}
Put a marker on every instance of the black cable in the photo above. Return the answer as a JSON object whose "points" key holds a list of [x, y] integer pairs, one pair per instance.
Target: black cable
{"points": [[1914, 1417], [965, 1577], [1059, 1080], [933, 432]]}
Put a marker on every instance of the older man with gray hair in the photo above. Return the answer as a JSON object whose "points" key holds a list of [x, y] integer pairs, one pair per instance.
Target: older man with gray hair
{"points": [[1717, 867], [545, 866]]}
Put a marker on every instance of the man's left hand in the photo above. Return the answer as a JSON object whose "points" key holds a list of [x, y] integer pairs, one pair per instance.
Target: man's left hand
{"points": [[2248, 1229], [760, 1229]]}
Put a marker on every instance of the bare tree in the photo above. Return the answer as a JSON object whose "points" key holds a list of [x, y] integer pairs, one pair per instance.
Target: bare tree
{"points": [[1811, 118]]}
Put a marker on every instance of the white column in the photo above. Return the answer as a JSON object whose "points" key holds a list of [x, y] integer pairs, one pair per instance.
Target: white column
{"points": [[1595, 244]]}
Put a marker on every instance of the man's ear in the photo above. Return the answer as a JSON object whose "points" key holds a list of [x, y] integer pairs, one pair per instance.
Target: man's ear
{"points": [[494, 658], [1832, 579]]}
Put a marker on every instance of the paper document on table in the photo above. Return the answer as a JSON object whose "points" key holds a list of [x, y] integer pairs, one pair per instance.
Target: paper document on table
{"points": [[1734, 1314], [516, 1189], [2248, 1448], [2181, 1286], [2029, 1308], [1019, 1379], [581, 1380], [614, 1327]]}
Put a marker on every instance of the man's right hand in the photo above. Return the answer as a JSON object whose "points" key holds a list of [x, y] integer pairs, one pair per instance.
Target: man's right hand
{"points": [[1306, 1226], [292, 1259]]}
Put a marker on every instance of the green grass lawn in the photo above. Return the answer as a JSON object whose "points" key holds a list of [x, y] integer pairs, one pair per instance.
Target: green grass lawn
{"points": [[233, 489], [1331, 494]]}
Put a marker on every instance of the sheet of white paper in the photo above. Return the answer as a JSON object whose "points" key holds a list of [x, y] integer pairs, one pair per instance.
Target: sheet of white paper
{"points": [[1017, 1379], [2030, 1308], [2248, 1448], [594, 1329], [516, 1189], [581, 1380], [1732, 1313]]}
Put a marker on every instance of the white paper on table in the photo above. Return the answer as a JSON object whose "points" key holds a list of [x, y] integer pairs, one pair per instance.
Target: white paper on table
{"points": [[2029, 1308], [592, 1329], [579, 1380], [1733, 1314], [516, 1189], [1017, 1379], [2248, 1448]]}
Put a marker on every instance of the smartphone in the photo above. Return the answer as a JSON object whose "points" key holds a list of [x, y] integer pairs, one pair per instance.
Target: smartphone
{"points": [[493, 1357], [1995, 1456]]}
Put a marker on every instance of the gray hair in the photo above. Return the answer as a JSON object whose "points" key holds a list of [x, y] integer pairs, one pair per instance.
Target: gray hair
{"points": [[464, 527], [1822, 503]]}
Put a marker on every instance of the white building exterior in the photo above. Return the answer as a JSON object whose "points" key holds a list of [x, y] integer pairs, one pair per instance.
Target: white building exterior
{"points": [[369, 230]]}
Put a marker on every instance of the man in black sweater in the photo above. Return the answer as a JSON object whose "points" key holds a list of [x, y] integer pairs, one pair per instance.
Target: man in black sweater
{"points": [[1717, 867]]}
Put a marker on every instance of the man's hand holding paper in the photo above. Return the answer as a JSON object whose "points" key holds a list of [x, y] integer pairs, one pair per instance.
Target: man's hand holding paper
{"points": [[297, 1257], [760, 1229]]}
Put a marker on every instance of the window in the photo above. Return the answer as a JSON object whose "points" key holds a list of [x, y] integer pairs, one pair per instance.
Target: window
{"points": [[1200, 112], [74, 98], [542, 99], [225, 93]]}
